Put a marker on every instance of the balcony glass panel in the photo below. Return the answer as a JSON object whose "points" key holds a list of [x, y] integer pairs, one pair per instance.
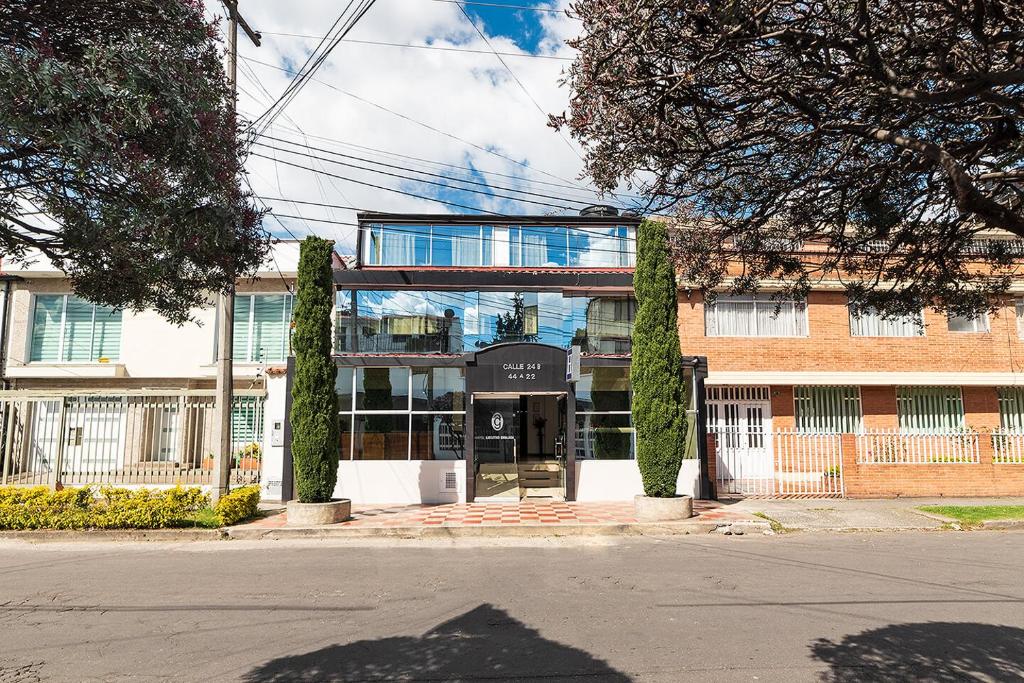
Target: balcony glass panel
{"points": [[454, 322], [515, 246]]}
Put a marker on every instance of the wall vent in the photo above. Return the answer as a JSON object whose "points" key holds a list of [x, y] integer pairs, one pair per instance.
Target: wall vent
{"points": [[449, 481]]}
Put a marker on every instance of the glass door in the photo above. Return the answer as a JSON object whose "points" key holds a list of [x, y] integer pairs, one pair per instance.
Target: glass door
{"points": [[496, 447]]}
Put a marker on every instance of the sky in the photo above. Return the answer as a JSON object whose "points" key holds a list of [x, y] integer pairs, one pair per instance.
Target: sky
{"points": [[460, 115]]}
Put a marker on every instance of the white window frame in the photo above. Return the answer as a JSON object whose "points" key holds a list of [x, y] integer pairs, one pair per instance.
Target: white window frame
{"points": [[979, 324], [251, 296], [798, 310], [63, 324], [873, 313]]}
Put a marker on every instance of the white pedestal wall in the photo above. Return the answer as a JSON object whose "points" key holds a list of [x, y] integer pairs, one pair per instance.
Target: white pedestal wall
{"points": [[273, 456], [406, 482], [620, 479]]}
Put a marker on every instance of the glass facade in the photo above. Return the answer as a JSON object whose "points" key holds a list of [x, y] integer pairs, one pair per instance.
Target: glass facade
{"points": [[604, 427], [401, 413], [459, 321], [522, 246]]}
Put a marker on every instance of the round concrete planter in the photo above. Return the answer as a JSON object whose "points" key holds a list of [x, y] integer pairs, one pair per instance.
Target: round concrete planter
{"points": [[663, 509], [318, 514]]}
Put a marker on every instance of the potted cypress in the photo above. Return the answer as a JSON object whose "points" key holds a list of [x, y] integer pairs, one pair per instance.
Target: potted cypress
{"points": [[657, 373], [314, 412]]}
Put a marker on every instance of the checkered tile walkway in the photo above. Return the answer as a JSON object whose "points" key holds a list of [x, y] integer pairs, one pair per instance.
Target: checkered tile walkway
{"points": [[527, 512]]}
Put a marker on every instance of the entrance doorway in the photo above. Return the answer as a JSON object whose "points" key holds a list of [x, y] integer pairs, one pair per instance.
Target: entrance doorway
{"points": [[519, 446], [741, 420]]}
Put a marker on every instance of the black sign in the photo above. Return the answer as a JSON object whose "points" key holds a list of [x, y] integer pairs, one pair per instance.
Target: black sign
{"points": [[517, 368]]}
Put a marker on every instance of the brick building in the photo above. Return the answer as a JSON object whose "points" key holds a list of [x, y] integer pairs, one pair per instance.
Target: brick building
{"points": [[930, 405]]}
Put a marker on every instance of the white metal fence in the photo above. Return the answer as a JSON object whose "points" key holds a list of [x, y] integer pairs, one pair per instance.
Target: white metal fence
{"points": [[753, 462], [808, 464], [1008, 447], [891, 447], [129, 437]]}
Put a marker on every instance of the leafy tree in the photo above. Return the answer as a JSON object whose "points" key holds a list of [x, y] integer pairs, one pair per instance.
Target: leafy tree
{"points": [[314, 414], [889, 132], [120, 154], [512, 326], [657, 365]]}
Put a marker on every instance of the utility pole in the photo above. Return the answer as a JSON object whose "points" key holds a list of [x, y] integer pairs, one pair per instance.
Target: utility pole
{"points": [[226, 300]]}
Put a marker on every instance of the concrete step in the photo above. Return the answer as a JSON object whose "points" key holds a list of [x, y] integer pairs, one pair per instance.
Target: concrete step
{"points": [[549, 493], [539, 467], [540, 483]]}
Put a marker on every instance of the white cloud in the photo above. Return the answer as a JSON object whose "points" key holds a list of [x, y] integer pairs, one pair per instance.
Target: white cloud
{"points": [[469, 95]]}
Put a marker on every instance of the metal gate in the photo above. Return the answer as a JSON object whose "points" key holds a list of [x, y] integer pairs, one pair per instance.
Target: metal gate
{"points": [[741, 420]]}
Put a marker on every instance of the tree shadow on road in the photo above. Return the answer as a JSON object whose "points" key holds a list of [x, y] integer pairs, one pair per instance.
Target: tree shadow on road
{"points": [[930, 651], [484, 643]]}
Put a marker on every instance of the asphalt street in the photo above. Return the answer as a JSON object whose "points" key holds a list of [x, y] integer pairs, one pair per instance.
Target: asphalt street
{"points": [[885, 606]]}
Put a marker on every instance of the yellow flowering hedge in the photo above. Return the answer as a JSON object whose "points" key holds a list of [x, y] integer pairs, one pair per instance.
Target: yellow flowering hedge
{"points": [[105, 508], [238, 505]]}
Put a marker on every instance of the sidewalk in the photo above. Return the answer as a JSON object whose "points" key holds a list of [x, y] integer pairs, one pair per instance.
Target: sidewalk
{"points": [[527, 518], [899, 514]]}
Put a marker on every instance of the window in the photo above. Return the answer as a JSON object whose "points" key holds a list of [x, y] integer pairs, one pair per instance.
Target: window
{"points": [[1011, 409], [751, 316], [604, 427], [68, 329], [398, 413], [828, 409], [542, 246], [453, 322], [603, 324], [262, 327], [929, 409], [968, 323], [868, 322], [344, 329]]}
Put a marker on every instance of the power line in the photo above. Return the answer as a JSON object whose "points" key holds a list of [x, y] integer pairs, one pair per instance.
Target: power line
{"points": [[299, 81], [499, 5], [440, 48], [435, 183], [422, 124], [530, 230], [250, 73], [412, 170], [315, 220], [511, 73], [589, 194], [381, 187]]}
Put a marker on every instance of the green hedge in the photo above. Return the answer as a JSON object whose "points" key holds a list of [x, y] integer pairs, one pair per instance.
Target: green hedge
{"points": [[239, 505], [104, 508]]}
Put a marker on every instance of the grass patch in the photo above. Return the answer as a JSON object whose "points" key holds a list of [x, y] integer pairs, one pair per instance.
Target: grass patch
{"points": [[775, 524], [976, 514], [205, 518]]}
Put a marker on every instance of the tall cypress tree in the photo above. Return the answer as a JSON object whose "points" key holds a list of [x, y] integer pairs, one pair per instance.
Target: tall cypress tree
{"points": [[657, 373], [314, 414]]}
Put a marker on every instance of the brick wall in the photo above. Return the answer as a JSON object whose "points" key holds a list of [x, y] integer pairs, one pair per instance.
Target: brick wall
{"points": [[917, 481], [831, 347]]}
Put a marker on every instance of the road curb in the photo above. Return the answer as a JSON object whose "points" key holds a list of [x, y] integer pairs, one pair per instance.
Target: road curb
{"points": [[1003, 525], [516, 531], [112, 535]]}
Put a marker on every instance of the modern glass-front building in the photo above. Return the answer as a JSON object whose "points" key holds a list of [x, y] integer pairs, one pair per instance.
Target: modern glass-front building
{"points": [[452, 338]]}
